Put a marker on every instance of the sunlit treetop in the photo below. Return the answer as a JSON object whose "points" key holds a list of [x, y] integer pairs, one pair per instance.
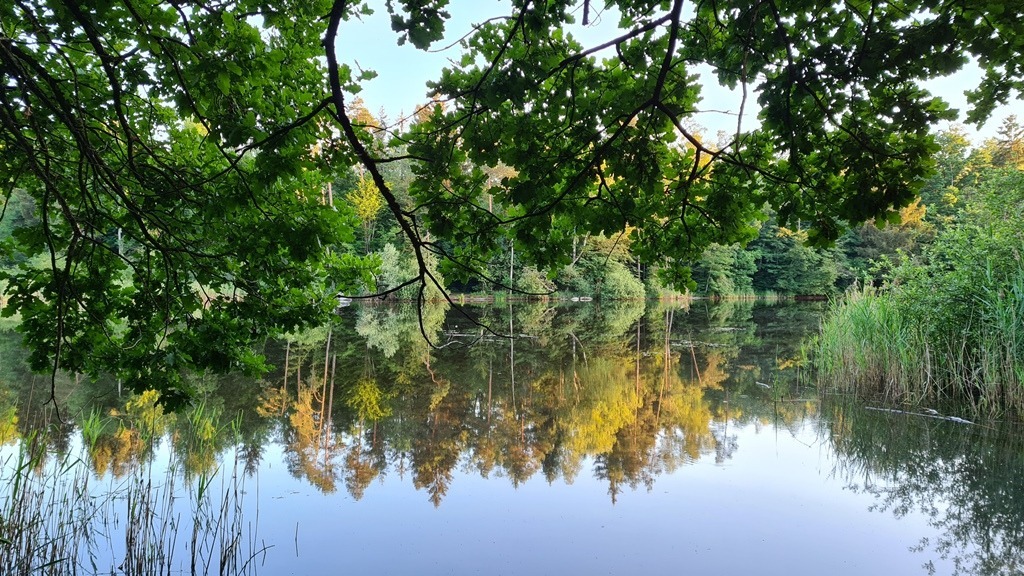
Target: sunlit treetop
{"points": [[176, 153]]}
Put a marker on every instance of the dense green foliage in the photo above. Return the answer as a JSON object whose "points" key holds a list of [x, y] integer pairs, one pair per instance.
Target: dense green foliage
{"points": [[177, 206], [949, 325], [180, 158]]}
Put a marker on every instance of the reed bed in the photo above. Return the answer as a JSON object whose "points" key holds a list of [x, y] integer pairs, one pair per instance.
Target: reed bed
{"points": [[43, 511], [58, 518], [874, 344]]}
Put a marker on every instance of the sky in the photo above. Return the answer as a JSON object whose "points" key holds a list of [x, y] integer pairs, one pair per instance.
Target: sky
{"points": [[403, 71]]}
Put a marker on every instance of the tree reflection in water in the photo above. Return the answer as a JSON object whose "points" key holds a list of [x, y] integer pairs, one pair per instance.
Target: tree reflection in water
{"points": [[966, 478], [626, 392], [638, 392]]}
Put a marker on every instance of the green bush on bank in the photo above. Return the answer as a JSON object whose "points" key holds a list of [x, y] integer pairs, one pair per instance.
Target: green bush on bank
{"points": [[949, 328]]}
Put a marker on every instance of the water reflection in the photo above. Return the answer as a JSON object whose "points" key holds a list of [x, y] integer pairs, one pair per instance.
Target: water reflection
{"points": [[637, 393], [965, 479], [626, 395]]}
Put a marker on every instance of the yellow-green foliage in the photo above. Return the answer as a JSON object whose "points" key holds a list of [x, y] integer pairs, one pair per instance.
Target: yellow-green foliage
{"points": [[8, 425]]}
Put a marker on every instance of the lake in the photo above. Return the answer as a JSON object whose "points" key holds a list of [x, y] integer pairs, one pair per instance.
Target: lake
{"points": [[645, 438]]}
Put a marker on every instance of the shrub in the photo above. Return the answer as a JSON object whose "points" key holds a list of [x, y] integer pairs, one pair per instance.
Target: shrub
{"points": [[618, 283], [533, 282]]}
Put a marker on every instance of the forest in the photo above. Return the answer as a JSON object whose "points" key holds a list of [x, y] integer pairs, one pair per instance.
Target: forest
{"points": [[484, 331], [973, 186], [183, 180]]}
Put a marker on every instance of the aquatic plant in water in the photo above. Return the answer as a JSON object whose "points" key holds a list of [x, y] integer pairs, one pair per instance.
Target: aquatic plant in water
{"points": [[873, 344], [58, 517]]}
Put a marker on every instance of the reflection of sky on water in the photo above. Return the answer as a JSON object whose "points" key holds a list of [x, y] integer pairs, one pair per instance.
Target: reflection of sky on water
{"points": [[743, 470], [774, 508]]}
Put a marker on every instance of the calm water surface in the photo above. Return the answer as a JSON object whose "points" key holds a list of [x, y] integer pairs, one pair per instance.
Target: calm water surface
{"points": [[657, 439]]}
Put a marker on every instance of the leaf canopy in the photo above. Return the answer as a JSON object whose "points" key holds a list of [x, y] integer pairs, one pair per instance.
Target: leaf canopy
{"points": [[177, 152]]}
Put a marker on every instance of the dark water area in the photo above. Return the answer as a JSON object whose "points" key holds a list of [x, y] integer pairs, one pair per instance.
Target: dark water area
{"points": [[645, 438]]}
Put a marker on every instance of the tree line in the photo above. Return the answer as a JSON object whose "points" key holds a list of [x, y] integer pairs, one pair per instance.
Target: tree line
{"points": [[778, 261], [181, 156]]}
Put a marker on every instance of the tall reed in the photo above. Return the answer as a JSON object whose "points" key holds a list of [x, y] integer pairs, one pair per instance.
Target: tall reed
{"points": [[866, 345], [875, 344], [1002, 344], [58, 518], [44, 510]]}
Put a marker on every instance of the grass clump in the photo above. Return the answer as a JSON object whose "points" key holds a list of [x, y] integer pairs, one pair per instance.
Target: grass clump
{"points": [[58, 516], [867, 346], [895, 345]]}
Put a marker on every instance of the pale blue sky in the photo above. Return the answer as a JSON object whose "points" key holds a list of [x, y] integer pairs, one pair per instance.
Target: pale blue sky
{"points": [[403, 70]]}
